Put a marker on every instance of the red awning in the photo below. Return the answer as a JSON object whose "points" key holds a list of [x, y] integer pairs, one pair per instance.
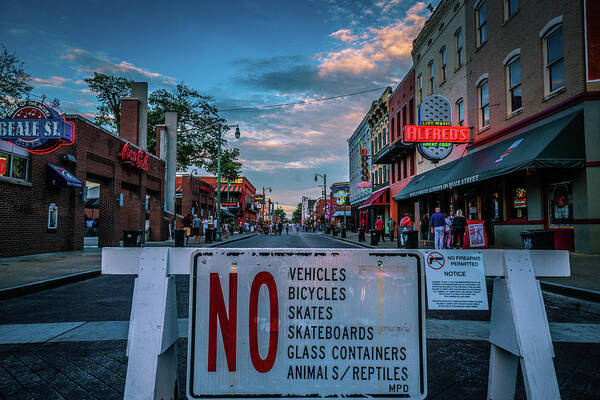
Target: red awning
{"points": [[379, 197]]}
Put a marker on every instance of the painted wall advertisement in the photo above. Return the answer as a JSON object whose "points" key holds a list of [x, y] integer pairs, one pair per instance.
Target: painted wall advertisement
{"points": [[455, 280], [337, 323]]}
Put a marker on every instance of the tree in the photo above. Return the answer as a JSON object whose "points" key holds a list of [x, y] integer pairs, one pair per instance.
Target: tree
{"points": [[280, 214], [109, 90], [297, 215], [14, 81], [198, 130]]}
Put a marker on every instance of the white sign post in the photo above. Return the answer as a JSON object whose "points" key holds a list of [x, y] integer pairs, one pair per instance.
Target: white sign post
{"points": [[299, 323], [381, 292], [455, 280]]}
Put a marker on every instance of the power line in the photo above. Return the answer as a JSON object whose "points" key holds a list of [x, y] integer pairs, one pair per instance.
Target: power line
{"points": [[303, 101]]}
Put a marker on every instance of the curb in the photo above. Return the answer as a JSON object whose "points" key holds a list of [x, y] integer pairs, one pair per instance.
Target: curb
{"points": [[28, 288], [366, 246], [571, 291]]}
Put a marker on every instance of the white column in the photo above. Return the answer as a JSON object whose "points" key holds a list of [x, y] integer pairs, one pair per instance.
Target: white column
{"points": [[139, 90], [171, 123]]}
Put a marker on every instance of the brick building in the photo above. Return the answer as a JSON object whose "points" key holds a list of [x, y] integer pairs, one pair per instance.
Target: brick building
{"points": [[237, 196], [42, 196], [533, 105], [195, 196]]}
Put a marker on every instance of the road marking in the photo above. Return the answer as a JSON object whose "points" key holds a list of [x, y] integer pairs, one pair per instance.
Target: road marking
{"points": [[118, 330]]}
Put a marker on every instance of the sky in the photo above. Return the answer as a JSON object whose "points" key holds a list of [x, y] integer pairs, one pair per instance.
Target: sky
{"points": [[242, 54]]}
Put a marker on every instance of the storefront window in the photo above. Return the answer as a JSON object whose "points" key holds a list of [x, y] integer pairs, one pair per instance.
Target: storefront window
{"points": [[496, 207], [4, 164], [19, 168], [518, 204], [561, 204]]}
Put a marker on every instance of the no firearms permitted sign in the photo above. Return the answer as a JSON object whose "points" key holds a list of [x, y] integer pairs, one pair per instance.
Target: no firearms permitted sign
{"points": [[298, 323]]}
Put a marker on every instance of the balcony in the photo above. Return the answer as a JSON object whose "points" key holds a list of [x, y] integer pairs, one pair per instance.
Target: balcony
{"points": [[388, 154]]}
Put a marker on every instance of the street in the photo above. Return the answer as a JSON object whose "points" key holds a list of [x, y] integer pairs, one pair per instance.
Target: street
{"points": [[87, 362]]}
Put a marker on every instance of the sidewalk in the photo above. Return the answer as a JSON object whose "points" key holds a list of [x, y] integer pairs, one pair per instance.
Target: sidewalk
{"points": [[585, 268], [24, 274]]}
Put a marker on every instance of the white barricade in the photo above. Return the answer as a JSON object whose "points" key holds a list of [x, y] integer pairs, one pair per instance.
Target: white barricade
{"points": [[241, 333]]}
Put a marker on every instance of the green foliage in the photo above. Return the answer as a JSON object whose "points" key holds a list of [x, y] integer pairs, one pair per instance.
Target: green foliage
{"points": [[280, 214], [14, 81], [198, 130], [109, 90], [297, 215]]}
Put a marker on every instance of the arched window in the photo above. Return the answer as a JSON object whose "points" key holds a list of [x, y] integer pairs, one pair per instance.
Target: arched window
{"points": [[554, 70], [514, 101], [484, 104]]}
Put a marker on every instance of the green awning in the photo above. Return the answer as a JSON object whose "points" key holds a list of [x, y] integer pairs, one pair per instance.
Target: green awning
{"points": [[225, 213], [557, 144]]}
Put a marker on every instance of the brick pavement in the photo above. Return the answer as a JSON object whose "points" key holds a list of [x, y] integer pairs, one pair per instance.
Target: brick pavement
{"points": [[457, 369]]}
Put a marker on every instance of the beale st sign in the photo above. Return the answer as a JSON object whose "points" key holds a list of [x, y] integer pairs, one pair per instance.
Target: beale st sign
{"points": [[292, 323], [36, 127]]}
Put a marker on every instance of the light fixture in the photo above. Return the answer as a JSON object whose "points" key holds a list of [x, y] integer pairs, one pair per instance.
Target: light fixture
{"points": [[237, 132]]}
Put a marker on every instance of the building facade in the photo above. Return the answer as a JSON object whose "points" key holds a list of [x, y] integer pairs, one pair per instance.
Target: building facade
{"points": [[238, 197], [194, 196], [359, 155], [533, 106]]}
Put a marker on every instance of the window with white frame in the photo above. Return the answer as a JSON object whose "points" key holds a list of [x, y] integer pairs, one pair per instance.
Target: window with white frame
{"points": [[458, 40], [460, 112], [14, 166], [484, 104], [431, 76], [510, 8], [443, 64], [513, 85], [554, 72], [481, 19]]}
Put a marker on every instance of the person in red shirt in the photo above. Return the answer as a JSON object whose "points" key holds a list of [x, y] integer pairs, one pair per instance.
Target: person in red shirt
{"points": [[380, 229]]}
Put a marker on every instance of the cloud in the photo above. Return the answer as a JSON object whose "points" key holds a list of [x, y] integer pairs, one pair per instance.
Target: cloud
{"points": [[383, 46], [345, 35], [87, 62], [386, 6], [53, 81]]}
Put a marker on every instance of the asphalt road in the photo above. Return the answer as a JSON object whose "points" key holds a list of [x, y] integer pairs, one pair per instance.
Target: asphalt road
{"points": [[108, 298], [457, 369]]}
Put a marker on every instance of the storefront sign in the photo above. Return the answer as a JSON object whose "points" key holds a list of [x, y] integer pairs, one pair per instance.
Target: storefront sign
{"points": [[343, 323], [434, 135], [365, 168], [455, 280], [136, 157], [37, 128], [339, 197], [3, 166], [230, 204], [476, 234]]}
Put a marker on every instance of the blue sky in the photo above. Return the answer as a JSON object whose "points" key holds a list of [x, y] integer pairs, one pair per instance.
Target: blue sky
{"points": [[243, 54]]}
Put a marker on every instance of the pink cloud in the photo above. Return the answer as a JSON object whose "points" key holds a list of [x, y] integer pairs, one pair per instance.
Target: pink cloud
{"points": [[345, 35], [53, 81], [389, 44]]}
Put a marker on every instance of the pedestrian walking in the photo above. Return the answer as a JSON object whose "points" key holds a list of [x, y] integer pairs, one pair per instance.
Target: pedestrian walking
{"points": [[287, 229], [204, 227], [458, 229], [437, 227], [380, 228], [425, 228], [196, 222], [406, 225], [391, 228], [187, 225], [448, 230]]}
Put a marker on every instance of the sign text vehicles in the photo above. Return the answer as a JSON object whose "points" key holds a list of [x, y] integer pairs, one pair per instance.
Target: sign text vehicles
{"points": [[36, 127], [437, 134], [297, 323]]}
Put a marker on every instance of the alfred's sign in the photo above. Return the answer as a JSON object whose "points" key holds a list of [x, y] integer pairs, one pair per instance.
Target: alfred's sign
{"points": [[37, 128], [136, 157], [436, 133]]}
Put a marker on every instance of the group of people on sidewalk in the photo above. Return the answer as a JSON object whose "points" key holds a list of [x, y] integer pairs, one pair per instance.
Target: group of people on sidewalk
{"points": [[448, 229]]}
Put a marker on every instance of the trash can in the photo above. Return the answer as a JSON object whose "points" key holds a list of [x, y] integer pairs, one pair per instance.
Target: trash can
{"points": [[179, 238], [412, 240], [208, 236], [374, 237], [334, 232], [343, 232], [214, 234], [538, 239], [132, 238], [361, 235]]}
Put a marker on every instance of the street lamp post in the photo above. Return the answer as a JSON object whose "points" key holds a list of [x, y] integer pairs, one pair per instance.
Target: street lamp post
{"points": [[324, 176], [218, 216]]}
